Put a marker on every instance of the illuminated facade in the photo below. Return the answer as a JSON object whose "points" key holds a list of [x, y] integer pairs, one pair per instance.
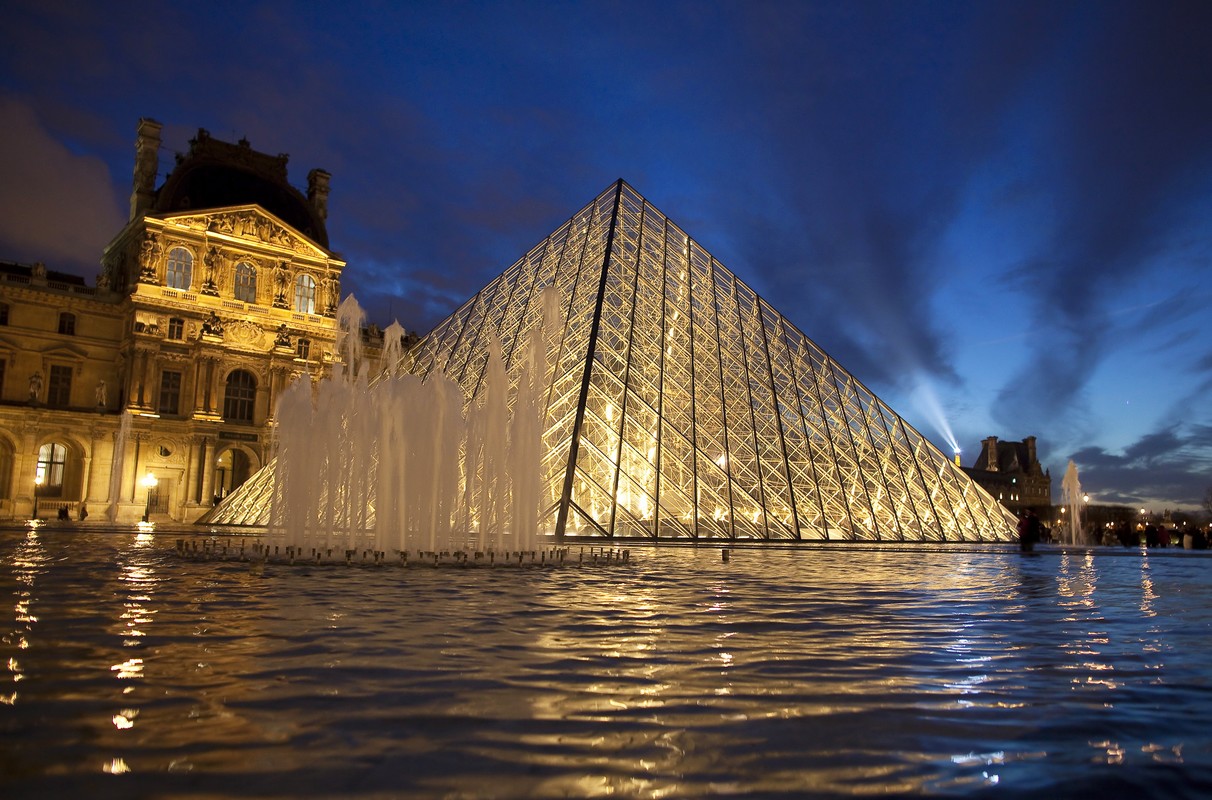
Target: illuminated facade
{"points": [[1011, 472], [217, 293], [682, 405]]}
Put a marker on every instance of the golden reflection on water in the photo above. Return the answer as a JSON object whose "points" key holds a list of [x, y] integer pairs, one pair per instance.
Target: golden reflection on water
{"points": [[800, 673]]}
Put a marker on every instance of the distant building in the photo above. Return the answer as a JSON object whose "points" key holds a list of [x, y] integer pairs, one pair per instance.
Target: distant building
{"points": [[1011, 472], [220, 290]]}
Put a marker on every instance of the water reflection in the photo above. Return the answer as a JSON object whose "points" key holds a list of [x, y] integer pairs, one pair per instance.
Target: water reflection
{"points": [[778, 673]]}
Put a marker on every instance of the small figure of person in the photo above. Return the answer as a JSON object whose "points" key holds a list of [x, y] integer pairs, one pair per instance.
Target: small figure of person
{"points": [[212, 325], [102, 393], [35, 387], [1028, 531]]}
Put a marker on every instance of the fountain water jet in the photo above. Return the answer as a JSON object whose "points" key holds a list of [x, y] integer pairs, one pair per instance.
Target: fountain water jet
{"points": [[393, 464], [1071, 496]]}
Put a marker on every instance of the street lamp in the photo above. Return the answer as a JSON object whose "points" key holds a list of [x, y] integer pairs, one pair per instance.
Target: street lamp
{"points": [[37, 490], [149, 482]]}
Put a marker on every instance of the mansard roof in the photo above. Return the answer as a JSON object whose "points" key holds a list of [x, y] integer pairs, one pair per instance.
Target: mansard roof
{"points": [[1013, 458], [216, 174]]}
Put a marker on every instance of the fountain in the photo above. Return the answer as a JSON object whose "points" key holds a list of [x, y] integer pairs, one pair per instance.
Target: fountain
{"points": [[1071, 496], [391, 464]]}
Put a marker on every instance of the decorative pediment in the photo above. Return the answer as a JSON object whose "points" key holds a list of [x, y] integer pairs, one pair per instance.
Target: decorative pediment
{"points": [[64, 353], [251, 223]]}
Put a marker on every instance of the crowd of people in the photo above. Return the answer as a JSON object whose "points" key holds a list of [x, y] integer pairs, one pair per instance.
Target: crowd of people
{"points": [[1031, 531]]}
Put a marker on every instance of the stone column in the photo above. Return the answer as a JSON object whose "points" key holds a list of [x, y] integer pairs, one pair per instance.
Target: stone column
{"points": [[208, 473], [187, 481], [213, 383]]}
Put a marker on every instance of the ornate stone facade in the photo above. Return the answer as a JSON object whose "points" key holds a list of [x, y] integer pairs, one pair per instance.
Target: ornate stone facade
{"points": [[1011, 472], [218, 292]]}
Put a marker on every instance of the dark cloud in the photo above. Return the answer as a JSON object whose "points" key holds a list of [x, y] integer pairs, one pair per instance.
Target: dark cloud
{"points": [[1174, 462], [55, 206], [1123, 149]]}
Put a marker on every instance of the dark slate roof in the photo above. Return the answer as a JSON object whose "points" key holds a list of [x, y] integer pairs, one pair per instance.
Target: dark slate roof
{"points": [[215, 174], [1012, 457]]}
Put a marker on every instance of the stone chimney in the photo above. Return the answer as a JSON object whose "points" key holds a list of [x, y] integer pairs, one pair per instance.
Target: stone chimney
{"points": [[991, 454], [1032, 464], [147, 163], [317, 192]]}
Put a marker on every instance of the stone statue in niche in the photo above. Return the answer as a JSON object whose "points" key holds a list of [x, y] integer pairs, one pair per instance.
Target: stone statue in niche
{"points": [[332, 294], [281, 281], [212, 325], [35, 387], [149, 251], [211, 264], [102, 394]]}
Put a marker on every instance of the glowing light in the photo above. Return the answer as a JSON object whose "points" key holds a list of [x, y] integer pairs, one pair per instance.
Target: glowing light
{"points": [[926, 400], [116, 767]]}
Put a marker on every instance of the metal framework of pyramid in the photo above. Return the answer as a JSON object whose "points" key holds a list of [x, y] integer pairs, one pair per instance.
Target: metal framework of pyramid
{"points": [[682, 405]]}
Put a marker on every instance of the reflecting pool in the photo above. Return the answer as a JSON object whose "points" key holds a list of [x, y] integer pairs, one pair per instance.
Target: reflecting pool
{"points": [[809, 672]]}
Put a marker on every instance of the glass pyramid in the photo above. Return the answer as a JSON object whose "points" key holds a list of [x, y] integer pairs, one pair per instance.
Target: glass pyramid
{"points": [[681, 405]]}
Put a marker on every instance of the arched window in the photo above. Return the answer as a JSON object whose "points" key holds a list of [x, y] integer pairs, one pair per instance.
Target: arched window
{"points": [[305, 294], [48, 474], [246, 282], [239, 396], [180, 268]]}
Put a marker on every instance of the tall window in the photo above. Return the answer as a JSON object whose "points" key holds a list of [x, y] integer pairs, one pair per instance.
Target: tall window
{"points": [[176, 328], [302, 348], [305, 294], [246, 282], [59, 388], [67, 323], [3, 313], [170, 392], [48, 475], [239, 396], [2, 364], [180, 268]]}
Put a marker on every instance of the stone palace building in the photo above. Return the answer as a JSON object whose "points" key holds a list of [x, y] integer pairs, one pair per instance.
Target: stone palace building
{"points": [[220, 290]]}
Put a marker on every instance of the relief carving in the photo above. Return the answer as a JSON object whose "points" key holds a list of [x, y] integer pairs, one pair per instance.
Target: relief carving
{"points": [[243, 332]]}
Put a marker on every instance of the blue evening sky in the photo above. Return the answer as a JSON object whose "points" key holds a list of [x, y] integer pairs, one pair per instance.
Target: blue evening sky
{"points": [[994, 214]]}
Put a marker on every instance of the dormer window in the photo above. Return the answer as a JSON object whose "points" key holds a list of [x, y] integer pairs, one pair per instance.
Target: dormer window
{"points": [[246, 282], [179, 270]]}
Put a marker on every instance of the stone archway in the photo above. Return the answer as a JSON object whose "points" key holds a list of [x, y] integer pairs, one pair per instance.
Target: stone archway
{"points": [[56, 474], [233, 465]]}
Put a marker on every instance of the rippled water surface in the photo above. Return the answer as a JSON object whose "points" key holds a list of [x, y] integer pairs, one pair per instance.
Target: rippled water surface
{"points": [[808, 672]]}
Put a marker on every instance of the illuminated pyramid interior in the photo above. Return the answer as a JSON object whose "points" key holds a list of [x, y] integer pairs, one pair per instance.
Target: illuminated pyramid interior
{"points": [[681, 405]]}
